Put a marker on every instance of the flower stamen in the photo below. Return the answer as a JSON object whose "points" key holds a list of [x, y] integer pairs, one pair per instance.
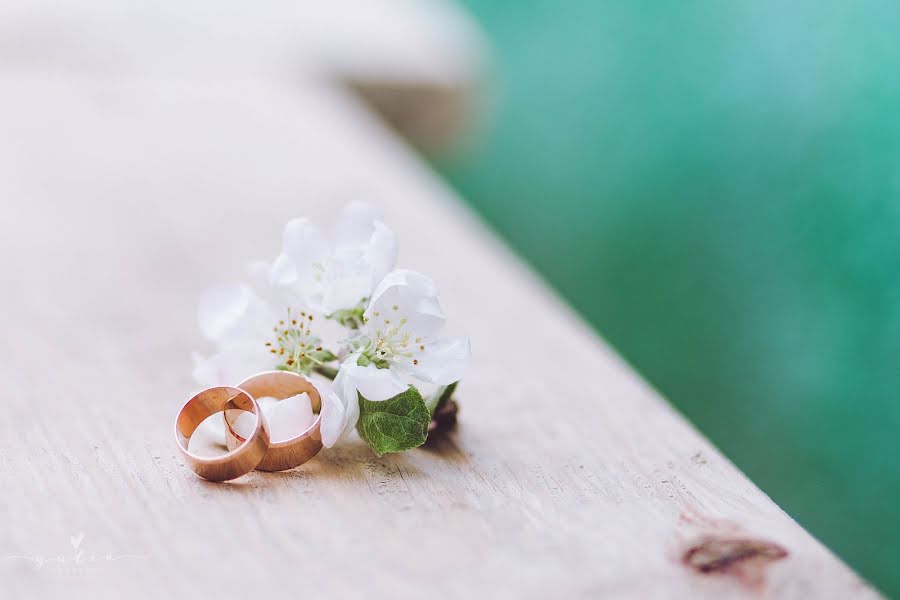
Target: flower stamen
{"points": [[294, 340]]}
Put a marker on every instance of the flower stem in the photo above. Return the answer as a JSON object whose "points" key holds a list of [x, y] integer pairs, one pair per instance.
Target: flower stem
{"points": [[326, 371], [440, 397]]}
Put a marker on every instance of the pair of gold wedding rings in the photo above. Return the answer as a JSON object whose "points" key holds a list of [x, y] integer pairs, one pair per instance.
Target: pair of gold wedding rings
{"points": [[256, 451]]}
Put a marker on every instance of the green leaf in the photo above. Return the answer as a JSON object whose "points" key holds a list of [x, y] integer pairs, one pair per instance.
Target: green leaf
{"points": [[394, 425]]}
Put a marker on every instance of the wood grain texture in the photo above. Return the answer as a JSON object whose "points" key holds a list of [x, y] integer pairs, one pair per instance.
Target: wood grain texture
{"points": [[129, 182]]}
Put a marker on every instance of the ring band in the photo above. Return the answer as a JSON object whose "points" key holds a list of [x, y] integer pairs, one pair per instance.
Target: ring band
{"points": [[239, 460], [282, 454]]}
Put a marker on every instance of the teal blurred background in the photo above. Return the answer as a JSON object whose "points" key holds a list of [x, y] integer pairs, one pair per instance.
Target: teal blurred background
{"points": [[716, 187]]}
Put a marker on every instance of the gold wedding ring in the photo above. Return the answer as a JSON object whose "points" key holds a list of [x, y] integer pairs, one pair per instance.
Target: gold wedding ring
{"points": [[242, 457], [282, 454]]}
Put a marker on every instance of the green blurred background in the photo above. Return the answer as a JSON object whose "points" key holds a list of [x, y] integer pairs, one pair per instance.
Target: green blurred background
{"points": [[716, 187]]}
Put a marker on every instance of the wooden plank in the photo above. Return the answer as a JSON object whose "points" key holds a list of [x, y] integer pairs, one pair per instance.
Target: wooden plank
{"points": [[127, 188]]}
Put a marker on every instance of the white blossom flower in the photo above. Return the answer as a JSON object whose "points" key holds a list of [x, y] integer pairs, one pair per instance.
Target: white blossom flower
{"points": [[252, 333], [390, 320], [398, 342], [340, 272], [238, 322]]}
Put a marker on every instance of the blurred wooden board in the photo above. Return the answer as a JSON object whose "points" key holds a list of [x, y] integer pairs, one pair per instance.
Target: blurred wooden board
{"points": [[133, 176]]}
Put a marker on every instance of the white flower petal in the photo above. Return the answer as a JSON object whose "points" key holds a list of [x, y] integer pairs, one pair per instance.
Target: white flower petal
{"points": [[232, 313], [283, 272], [245, 422], [304, 254], [374, 383], [334, 412], [233, 363], [303, 243], [346, 389], [442, 362], [328, 277], [354, 226], [352, 418], [352, 271], [289, 417], [209, 437], [220, 307], [347, 280], [258, 274], [340, 406], [405, 299], [381, 252]]}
